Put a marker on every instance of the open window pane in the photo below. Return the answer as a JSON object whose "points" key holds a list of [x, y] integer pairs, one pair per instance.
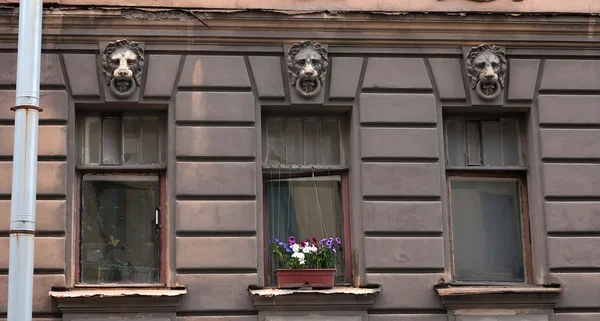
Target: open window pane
{"points": [[486, 229], [304, 208], [92, 140], [119, 232]]}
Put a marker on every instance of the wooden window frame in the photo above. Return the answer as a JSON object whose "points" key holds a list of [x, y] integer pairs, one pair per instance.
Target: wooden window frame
{"points": [[159, 170], [343, 173], [518, 173]]}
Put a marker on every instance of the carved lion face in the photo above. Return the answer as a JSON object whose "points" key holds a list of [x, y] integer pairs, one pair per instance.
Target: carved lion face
{"points": [[122, 64], [307, 67], [486, 67]]}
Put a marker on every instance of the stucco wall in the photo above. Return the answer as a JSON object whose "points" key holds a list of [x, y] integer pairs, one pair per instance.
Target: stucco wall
{"points": [[396, 96]]}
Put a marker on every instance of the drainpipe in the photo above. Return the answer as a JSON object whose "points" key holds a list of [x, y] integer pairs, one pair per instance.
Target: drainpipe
{"points": [[22, 211]]}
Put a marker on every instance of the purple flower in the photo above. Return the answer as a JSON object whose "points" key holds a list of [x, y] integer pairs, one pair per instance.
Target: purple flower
{"points": [[277, 240], [330, 239], [292, 240], [338, 241], [329, 243], [334, 251]]}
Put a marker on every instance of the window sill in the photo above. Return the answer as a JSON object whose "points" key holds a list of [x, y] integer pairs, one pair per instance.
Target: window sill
{"points": [[106, 300], [517, 296], [337, 298]]}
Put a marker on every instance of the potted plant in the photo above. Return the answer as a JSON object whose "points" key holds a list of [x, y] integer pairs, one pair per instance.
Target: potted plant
{"points": [[307, 263]]}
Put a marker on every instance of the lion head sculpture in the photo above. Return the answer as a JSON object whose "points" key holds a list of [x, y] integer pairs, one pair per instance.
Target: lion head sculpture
{"points": [[122, 64], [486, 67], [307, 67]]}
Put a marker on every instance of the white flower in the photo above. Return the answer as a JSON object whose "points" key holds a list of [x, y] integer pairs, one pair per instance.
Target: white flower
{"points": [[295, 248], [298, 255], [306, 249], [302, 262], [313, 248]]}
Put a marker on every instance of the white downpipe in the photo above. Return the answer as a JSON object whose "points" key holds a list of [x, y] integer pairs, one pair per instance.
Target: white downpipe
{"points": [[24, 180]]}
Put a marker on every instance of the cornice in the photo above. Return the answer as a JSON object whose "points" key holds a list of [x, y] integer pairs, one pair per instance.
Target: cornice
{"points": [[348, 29]]}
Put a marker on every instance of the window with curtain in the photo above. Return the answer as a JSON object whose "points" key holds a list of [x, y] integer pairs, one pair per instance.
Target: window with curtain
{"points": [[488, 199], [306, 184], [121, 177]]}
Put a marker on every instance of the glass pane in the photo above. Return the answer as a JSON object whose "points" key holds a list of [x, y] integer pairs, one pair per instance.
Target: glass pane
{"points": [[91, 145], [456, 142], [131, 134], [473, 144], [486, 230], [294, 141], [331, 143], [312, 142], [275, 141], [119, 234], [151, 140], [510, 142], [111, 140], [305, 208], [492, 155]]}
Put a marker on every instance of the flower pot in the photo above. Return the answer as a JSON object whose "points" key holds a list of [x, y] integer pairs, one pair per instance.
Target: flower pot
{"points": [[298, 278]]}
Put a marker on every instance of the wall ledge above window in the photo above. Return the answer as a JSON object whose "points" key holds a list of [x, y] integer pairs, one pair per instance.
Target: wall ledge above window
{"points": [[118, 300], [337, 298], [499, 296]]}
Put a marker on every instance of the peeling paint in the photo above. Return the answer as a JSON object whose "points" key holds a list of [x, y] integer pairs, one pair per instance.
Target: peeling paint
{"points": [[267, 293], [114, 293]]}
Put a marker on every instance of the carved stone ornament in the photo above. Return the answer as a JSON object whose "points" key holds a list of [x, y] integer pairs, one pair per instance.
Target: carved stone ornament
{"points": [[122, 64], [307, 67], [486, 67]]}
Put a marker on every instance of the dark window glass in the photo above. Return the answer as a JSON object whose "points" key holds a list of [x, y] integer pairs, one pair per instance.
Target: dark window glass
{"points": [[486, 229], [119, 229], [305, 207]]}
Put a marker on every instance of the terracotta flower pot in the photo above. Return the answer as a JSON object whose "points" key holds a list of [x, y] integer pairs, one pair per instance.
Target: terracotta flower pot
{"points": [[297, 278]]}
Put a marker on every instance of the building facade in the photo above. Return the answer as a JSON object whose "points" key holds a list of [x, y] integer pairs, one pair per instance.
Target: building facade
{"points": [[452, 146]]}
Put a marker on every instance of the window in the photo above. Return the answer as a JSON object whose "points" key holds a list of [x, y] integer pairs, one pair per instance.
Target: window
{"points": [[488, 200], [306, 184], [121, 181]]}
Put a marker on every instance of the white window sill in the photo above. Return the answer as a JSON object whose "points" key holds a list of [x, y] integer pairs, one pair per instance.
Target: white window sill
{"points": [[473, 296], [117, 292], [340, 297]]}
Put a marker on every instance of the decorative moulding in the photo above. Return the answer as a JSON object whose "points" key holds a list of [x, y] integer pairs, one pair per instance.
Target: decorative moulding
{"points": [[307, 64], [122, 66], [337, 298], [487, 68], [498, 296]]}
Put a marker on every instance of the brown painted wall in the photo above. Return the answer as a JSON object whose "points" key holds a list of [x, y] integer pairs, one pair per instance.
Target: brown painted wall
{"points": [[397, 95]]}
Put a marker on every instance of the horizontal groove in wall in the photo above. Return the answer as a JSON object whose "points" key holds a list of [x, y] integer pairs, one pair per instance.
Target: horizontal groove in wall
{"points": [[41, 158], [572, 198], [216, 233], [391, 125], [219, 313], [5, 233], [215, 89], [402, 234], [405, 270], [42, 122], [407, 311], [576, 270], [201, 159], [215, 197], [39, 271], [576, 310], [567, 234], [568, 92], [400, 198], [570, 161], [569, 126], [207, 123], [8, 87], [401, 159], [44, 197], [397, 91], [216, 271]]}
